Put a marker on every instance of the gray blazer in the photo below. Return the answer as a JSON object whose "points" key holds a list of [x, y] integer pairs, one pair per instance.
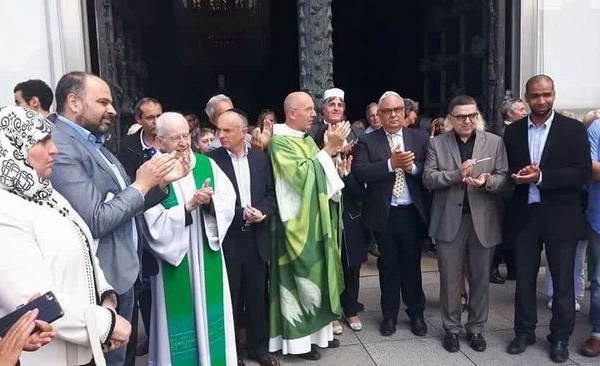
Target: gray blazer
{"points": [[441, 175], [88, 183]]}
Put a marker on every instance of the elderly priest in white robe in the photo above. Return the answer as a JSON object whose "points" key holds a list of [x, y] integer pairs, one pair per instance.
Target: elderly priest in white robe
{"points": [[192, 321]]}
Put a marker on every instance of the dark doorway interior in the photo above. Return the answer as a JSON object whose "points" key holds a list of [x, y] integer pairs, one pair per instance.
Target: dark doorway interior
{"points": [[428, 50], [245, 49]]}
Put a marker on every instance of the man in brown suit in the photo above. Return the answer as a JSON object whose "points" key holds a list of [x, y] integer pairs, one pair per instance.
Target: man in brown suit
{"points": [[466, 169]]}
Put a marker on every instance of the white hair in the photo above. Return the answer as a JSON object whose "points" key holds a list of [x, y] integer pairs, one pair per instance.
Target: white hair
{"points": [[166, 119], [388, 94], [210, 110], [478, 122], [590, 117]]}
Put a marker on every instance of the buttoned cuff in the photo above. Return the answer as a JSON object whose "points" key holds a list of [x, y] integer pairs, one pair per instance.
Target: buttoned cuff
{"points": [[389, 164], [539, 182]]}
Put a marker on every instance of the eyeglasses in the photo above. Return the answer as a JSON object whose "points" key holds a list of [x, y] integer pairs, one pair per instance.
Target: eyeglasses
{"points": [[463, 117], [184, 136], [388, 111]]}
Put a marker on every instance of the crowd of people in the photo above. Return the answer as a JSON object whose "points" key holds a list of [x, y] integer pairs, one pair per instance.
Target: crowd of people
{"points": [[236, 241]]}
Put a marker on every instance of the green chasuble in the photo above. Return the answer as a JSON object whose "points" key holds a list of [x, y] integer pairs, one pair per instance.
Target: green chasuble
{"points": [[306, 276], [183, 343]]}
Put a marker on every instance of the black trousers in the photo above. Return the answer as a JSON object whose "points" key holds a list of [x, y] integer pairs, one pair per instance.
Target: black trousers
{"points": [[504, 252], [399, 263], [561, 260], [349, 296], [248, 286]]}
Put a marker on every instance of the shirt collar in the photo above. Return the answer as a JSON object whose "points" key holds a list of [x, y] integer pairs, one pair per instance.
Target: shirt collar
{"points": [[547, 122], [285, 130], [85, 134], [232, 155], [397, 133]]}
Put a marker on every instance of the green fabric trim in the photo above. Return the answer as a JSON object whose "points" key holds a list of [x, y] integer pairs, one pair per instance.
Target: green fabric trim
{"points": [[213, 267], [179, 302]]}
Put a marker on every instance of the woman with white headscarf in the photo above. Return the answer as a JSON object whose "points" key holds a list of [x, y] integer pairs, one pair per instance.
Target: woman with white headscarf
{"points": [[45, 246]]}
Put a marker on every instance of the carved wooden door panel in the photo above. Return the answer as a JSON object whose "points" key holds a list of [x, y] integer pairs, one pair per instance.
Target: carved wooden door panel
{"points": [[464, 54]]}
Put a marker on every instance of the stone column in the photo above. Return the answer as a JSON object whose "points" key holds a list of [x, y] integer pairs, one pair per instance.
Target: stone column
{"points": [[315, 46]]}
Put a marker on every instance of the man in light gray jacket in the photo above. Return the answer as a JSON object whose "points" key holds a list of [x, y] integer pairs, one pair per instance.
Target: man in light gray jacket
{"points": [[466, 170], [94, 182]]}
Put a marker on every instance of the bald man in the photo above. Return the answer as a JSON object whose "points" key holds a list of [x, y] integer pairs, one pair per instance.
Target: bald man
{"points": [[306, 274]]}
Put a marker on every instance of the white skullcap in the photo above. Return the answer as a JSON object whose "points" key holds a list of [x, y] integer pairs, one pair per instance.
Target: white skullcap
{"points": [[333, 93]]}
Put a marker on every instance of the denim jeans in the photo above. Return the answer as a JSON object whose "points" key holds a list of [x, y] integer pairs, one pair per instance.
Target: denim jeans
{"points": [[594, 248]]}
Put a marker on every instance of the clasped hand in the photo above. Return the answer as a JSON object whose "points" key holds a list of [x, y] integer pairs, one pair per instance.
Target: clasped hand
{"points": [[200, 197], [402, 160], [527, 175], [253, 215]]}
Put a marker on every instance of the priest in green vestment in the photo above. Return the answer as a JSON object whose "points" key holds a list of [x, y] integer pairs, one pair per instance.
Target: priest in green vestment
{"points": [[191, 322], [306, 275]]}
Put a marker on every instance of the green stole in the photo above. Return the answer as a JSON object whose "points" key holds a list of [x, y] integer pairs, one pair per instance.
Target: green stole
{"points": [[178, 291]]}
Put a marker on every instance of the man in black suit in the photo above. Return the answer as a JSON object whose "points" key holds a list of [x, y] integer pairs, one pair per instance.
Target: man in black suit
{"points": [[136, 149], [549, 161], [390, 160], [247, 243]]}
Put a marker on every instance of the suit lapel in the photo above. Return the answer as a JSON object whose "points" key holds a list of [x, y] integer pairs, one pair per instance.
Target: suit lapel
{"points": [[254, 169], [453, 147], [227, 167], [551, 140], [478, 146], [93, 152], [384, 143]]}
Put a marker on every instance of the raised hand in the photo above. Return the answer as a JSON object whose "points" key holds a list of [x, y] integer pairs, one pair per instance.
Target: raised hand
{"points": [[402, 160], [335, 136], [200, 197], [153, 172]]}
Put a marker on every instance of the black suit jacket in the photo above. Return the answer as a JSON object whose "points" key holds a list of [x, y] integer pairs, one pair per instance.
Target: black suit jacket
{"points": [[566, 166], [370, 166], [262, 192]]}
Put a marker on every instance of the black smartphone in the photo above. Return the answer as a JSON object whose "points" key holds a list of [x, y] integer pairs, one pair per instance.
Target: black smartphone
{"points": [[47, 304]]}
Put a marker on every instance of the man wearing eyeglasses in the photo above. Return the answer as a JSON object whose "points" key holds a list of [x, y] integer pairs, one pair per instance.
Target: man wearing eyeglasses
{"points": [[192, 317], [549, 161], [466, 170], [390, 161]]}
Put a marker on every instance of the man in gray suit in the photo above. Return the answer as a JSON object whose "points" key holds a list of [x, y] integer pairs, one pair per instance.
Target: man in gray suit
{"points": [[466, 170], [95, 183]]}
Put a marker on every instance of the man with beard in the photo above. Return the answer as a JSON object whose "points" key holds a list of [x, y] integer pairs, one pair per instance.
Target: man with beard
{"points": [[192, 320], [549, 162], [91, 178]]}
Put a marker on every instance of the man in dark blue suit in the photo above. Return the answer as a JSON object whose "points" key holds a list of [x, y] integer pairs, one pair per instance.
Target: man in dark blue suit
{"points": [[390, 161], [247, 243]]}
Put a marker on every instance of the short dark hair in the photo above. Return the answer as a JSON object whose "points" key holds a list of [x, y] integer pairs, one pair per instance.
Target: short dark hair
{"points": [[461, 100], [72, 82], [141, 102], [538, 78], [36, 88]]}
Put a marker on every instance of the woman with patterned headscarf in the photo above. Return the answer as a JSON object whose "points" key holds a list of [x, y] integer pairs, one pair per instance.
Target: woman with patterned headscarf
{"points": [[46, 246]]}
